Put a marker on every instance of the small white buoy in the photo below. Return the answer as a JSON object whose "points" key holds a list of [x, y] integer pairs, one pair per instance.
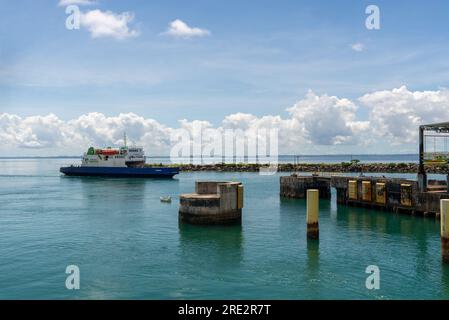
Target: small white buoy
{"points": [[165, 199]]}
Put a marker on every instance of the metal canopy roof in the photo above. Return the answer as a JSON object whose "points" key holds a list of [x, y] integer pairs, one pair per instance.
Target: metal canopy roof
{"points": [[436, 126]]}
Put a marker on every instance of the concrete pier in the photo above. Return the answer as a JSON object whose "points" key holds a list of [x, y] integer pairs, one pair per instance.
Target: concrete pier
{"points": [[380, 193], [312, 214], [295, 186], [214, 202], [390, 194]]}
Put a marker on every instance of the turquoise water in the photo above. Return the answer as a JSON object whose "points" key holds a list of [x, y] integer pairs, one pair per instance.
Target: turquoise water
{"points": [[129, 245]]}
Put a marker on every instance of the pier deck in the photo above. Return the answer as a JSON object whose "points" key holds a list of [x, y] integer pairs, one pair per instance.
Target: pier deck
{"points": [[379, 193]]}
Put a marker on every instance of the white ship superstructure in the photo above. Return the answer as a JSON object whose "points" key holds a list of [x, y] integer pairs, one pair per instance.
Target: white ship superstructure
{"points": [[114, 157]]}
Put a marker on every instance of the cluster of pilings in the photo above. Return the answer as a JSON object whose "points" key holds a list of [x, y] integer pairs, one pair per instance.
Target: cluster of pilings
{"points": [[218, 202]]}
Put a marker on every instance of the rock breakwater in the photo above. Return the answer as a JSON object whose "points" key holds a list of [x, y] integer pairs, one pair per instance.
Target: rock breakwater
{"points": [[318, 167]]}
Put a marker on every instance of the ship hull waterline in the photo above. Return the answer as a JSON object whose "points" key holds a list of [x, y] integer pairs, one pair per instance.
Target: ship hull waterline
{"points": [[117, 172]]}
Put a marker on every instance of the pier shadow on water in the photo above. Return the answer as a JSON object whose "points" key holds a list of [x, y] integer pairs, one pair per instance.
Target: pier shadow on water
{"points": [[313, 260]]}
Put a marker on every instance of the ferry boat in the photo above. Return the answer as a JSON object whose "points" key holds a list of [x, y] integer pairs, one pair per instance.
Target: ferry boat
{"points": [[117, 162]]}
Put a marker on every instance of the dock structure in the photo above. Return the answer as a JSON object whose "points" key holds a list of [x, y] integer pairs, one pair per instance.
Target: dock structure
{"points": [[397, 195], [214, 202], [381, 193], [295, 186], [421, 196]]}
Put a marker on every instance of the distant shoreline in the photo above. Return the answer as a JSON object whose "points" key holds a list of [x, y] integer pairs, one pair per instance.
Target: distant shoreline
{"points": [[283, 156], [315, 167], [342, 166]]}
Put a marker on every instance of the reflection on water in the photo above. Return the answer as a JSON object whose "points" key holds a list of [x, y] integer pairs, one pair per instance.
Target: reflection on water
{"points": [[388, 229], [211, 246], [406, 249], [387, 223], [313, 259], [445, 281]]}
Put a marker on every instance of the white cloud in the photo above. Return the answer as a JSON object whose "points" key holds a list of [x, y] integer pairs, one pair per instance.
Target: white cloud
{"points": [[359, 47], [239, 121], [34, 132], [316, 119], [396, 114], [180, 29], [326, 120], [108, 24], [51, 134], [316, 123], [64, 3]]}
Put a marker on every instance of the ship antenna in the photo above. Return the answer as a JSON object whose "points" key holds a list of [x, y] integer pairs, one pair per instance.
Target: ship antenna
{"points": [[124, 138]]}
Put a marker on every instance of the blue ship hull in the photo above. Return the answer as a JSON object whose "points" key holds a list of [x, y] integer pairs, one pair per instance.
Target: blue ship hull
{"points": [[146, 172]]}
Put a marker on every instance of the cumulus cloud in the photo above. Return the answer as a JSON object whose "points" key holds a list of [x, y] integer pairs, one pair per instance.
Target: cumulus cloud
{"points": [[64, 3], [326, 120], [239, 121], [108, 24], [329, 122], [180, 29], [49, 133], [359, 47], [396, 114], [34, 132]]}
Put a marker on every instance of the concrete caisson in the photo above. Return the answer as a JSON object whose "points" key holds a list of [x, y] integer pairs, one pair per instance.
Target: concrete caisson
{"points": [[214, 202]]}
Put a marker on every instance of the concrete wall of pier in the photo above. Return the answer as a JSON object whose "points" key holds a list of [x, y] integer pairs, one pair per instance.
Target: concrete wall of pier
{"points": [[397, 195], [381, 193], [214, 202], [296, 186]]}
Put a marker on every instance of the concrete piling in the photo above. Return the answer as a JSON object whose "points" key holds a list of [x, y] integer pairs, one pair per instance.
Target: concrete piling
{"points": [[312, 213], [444, 216]]}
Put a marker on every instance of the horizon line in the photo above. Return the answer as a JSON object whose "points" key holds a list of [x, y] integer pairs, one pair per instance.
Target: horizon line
{"points": [[282, 155]]}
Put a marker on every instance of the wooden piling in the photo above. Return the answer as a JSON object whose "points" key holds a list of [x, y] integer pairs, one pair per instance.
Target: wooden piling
{"points": [[444, 218], [312, 213]]}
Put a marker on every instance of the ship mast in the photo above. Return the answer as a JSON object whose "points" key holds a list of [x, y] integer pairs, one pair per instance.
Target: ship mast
{"points": [[124, 138]]}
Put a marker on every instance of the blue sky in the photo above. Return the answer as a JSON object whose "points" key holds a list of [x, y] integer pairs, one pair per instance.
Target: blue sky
{"points": [[260, 57]]}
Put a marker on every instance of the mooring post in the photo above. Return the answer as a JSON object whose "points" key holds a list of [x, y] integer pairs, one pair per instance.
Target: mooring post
{"points": [[444, 216], [312, 213]]}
